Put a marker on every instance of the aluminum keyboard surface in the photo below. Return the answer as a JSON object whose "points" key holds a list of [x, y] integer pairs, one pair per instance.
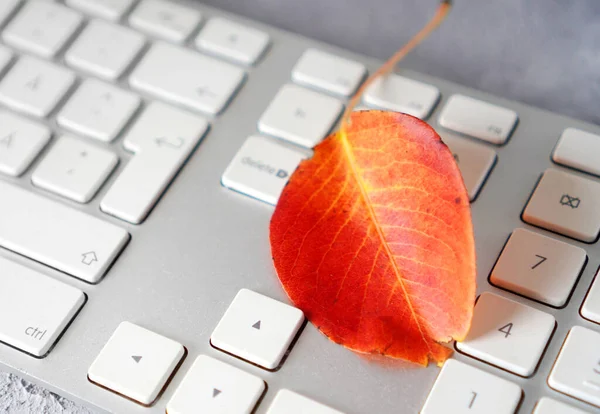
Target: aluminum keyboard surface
{"points": [[203, 242]]}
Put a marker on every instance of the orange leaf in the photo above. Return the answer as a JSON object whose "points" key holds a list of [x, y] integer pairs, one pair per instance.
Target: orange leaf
{"points": [[372, 239]]}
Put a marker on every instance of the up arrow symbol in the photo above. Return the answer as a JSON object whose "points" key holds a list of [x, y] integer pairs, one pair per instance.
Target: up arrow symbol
{"points": [[256, 325], [89, 258], [136, 358]]}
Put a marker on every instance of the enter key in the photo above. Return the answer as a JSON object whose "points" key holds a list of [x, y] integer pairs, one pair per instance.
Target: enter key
{"points": [[162, 139]]}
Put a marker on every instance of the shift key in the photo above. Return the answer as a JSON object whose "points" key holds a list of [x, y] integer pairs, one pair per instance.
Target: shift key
{"points": [[57, 235], [36, 309]]}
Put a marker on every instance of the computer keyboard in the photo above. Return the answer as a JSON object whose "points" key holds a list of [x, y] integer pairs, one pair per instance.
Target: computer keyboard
{"points": [[143, 144]]}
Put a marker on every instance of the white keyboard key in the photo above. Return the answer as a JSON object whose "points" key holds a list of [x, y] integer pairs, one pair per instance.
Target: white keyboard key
{"points": [[576, 371], [232, 40], [56, 235], [104, 49], [400, 94], [165, 19], [257, 328], [74, 169], [106, 9], [508, 334], [478, 119], [98, 110], [7, 7], [136, 363], [34, 86], [591, 307], [578, 149], [329, 72], [187, 78], [463, 389], [566, 204], [163, 138], [37, 308], [301, 116], [289, 402], [474, 160], [211, 386], [21, 140], [549, 406], [261, 168], [539, 267], [42, 28], [5, 58]]}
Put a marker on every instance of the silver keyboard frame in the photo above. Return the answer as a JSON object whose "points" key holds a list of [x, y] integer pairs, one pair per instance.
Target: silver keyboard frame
{"points": [[203, 242]]}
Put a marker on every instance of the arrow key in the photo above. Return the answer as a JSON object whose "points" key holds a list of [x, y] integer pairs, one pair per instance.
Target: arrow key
{"points": [[136, 363], [258, 329], [212, 386]]}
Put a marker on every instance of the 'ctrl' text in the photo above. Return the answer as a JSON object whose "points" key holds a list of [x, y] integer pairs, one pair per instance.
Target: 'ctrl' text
{"points": [[35, 333]]}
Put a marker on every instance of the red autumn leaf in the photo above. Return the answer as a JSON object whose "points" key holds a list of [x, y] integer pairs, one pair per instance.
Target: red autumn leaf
{"points": [[372, 239]]}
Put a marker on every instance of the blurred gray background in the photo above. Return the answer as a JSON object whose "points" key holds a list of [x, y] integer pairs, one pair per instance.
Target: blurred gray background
{"points": [[542, 52]]}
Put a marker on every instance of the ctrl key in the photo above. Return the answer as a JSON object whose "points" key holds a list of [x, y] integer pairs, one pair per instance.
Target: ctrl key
{"points": [[36, 309], [461, 388], [261, 168]]}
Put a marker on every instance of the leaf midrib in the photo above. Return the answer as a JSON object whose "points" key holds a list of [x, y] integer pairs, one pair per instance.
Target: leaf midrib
{"points": [[363, 191]]}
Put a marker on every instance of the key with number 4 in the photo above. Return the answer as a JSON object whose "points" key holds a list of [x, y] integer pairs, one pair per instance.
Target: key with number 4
{"points": [[508, 334]]}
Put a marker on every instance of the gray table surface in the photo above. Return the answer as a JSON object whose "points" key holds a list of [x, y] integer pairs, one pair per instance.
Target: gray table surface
{"points": [[541, 52]]}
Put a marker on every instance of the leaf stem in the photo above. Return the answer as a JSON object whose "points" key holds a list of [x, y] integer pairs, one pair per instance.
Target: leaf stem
{"points": [[440, 15]]}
